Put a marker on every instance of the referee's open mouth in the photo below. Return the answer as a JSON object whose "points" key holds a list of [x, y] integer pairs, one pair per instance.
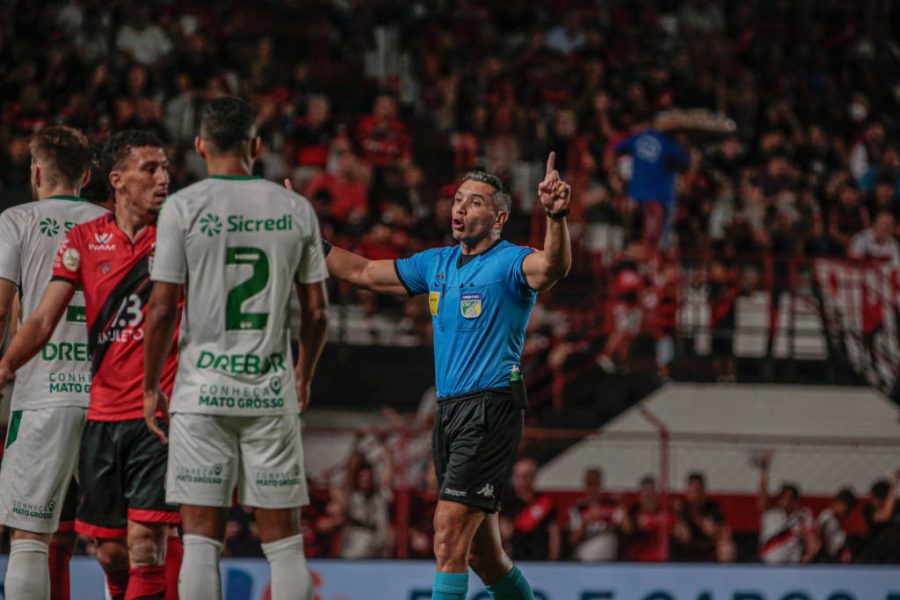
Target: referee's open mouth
{"points": [[458, 224]]}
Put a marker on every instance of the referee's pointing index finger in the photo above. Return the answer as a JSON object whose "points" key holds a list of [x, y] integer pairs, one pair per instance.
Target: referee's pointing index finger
{"points": [[550, 160]]}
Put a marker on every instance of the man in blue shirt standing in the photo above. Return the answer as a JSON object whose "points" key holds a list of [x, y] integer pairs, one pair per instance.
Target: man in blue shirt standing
{"points": [[655, 161], [481, 293]]}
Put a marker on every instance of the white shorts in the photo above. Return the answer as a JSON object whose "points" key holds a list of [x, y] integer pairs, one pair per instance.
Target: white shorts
{"points": [[211, 454], [39, 463]]}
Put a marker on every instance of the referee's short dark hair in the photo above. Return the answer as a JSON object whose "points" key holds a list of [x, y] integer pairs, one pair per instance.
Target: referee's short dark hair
{"points": [[227, 123], [119, 145], [500, 197], [63, 152]]}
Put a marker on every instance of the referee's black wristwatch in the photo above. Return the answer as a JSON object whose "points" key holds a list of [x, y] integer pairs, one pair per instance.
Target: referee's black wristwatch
{"points": [[557, 215]]}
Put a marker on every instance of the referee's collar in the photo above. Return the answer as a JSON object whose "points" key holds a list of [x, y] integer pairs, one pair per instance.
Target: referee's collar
{"points": [[464, 259]]}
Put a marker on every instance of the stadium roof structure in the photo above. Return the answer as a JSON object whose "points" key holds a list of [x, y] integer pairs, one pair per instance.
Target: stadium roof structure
{"points": [[820, 437]]}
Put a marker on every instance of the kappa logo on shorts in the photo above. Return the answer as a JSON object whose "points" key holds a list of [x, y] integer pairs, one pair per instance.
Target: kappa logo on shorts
{"points": [[470, 305], [487, 491]]}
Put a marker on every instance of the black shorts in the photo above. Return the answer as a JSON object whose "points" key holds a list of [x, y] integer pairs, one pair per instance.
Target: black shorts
{"points": [[122, 470], [475, 441], [69, 508]]}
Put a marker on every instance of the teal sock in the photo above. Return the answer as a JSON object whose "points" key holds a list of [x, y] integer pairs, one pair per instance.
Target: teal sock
{"points": [[450, 586], [513, 586]]}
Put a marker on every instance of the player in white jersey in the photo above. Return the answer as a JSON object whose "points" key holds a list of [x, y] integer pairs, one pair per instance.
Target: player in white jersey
{"points": [[51, 394], [237, 245]]}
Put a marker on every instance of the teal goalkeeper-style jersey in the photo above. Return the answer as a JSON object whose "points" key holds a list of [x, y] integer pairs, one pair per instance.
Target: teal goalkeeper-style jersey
{"points": [[479, 306]]}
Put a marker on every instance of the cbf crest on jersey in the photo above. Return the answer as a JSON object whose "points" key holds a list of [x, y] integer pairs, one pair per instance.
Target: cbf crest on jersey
{"points": [[470, 305]]}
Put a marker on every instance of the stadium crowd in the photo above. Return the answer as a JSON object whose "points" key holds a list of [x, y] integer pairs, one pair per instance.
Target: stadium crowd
{"points": [[373, 109], [359, 518]]}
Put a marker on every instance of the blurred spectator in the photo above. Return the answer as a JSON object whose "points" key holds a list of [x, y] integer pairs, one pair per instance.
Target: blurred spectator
{"points": [[382, 135], [701, 17], [313, 133], [787, 532], [629, 285], [848, 218], [885, 197], [422, 504], [142, 41], [573, 156], [722, 293], [568, 36], [655, 159], [528, 523], [645, 527], [882, 514], [877, 242], [700, 532], [345, 185], [182, 115], [320, 522], [363, 504], [16, 170], [667, 298], [887, 171], [594, 522], [832, 527]]}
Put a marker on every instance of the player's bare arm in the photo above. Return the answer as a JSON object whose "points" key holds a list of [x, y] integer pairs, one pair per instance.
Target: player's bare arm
{"points": [[36, 331], [378, 276], [313, 331], [14, 316], [544, 268], [7, 299], [162, 317]]}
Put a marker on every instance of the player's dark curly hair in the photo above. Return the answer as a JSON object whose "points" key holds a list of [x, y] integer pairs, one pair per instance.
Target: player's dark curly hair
{"points": [[228, 123], [501, 197], [64, 153], [97, 189], [119, 145]]}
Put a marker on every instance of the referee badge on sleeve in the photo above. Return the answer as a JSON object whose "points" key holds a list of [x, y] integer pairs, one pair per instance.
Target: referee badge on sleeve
{"points": [[470, 305], [434, 299]]}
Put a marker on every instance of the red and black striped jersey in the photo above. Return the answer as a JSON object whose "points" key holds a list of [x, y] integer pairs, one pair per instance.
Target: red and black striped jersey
{"points": [[115, 275]]}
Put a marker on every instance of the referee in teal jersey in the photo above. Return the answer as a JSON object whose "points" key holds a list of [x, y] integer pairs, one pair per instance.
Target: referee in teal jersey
{"points": [[481, 292]]}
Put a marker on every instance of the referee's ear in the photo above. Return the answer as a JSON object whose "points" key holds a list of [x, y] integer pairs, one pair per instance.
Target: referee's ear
{"points": [[255, 145], [500, 219]]}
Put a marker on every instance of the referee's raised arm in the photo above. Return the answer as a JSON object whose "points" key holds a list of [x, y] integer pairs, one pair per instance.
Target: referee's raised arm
{"points": [[544, 268]]}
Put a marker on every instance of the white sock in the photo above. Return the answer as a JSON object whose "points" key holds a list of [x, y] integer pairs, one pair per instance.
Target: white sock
{"points": [[28, 573], [290, 575], [199, 576]]}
